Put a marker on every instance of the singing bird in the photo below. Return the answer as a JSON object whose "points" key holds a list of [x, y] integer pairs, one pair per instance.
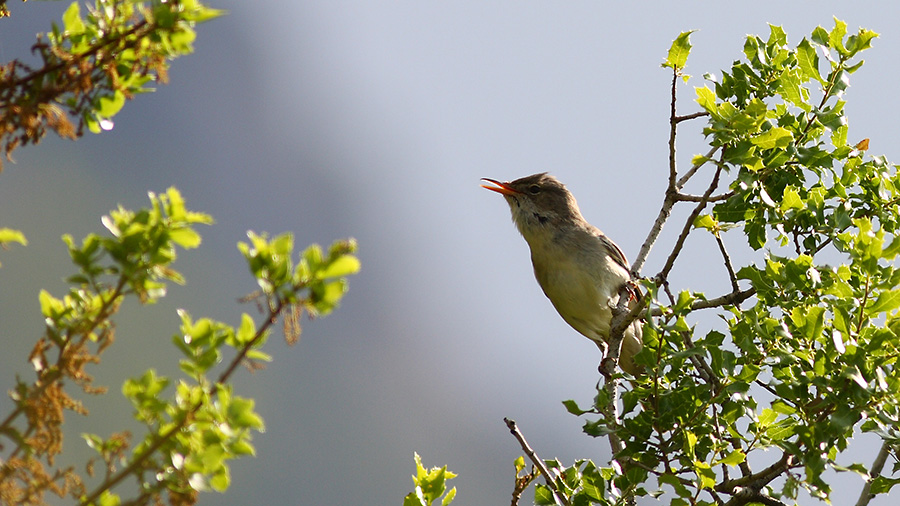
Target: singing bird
{"points": [[579, 269]]}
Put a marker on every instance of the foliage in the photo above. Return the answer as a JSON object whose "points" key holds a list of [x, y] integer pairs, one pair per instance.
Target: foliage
{"points": [[805, 357], [812, 361], [194, 425], [92, 64], [430, 485]]}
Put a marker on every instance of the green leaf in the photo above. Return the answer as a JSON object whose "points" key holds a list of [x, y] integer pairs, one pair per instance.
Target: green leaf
{"points": [[412, 499], [808, 60], [220, 481], [732, 459], [706, 474], [767, 417], [51, 307], [886, 301], [883, 484], [519, 464], [839, 136], [815, 322], [241, 414], [8, 235], [543, 496], [72, 21], [707, 100], [791, 199], [572, 407], [679, 51], [259, 355], [108, 106], [777, 37], [108, 498], [836, 36], [772, 138], [892, 250], [820, 36], [341, 266], [187, 238], [451, 494], [708, 222], [790, 89], [247, 330]]}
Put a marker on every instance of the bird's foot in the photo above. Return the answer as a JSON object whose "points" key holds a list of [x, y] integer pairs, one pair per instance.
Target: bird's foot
{"points": [[607, 367]]}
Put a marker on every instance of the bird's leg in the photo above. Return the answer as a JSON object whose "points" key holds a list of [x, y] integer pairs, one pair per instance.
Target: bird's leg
{"points": [[606, 367]]}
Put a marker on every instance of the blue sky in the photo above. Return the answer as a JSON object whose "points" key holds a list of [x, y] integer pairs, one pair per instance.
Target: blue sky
{"points": [[376, 120]]}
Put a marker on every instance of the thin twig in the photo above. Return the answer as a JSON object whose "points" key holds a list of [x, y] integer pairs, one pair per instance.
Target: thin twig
{"points": [[669, 200], [728, 266], [684, 197], [729, 299], [688, 225], [866, 495], [686, 117], [522, 483], [673, 128], [514, 430], [694, 168]]}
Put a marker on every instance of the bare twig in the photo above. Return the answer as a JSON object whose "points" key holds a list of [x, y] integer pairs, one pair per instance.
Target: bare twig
{"points": [[522, 483], [729, 299], [684, 197], [686, 117], [673, 129], [688, 225], [514, 430], [866, 495], [727, 259]]}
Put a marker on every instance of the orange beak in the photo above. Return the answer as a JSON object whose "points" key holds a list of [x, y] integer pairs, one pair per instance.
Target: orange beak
{"points": [[501, 188]]}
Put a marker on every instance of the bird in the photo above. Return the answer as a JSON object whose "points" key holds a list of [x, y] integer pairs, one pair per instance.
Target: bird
{"points": [[578, 267]]}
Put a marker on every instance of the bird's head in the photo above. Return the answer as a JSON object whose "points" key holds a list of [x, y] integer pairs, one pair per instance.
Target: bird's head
{"points": [[538, 202]]}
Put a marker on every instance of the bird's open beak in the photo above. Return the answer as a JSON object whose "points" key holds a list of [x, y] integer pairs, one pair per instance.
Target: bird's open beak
{"points": [[502, 188]]}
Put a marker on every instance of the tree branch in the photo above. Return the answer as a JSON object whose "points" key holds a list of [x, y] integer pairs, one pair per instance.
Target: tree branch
{"points": [[755, 481], [522, 483], [866, 495], [146, 454], [514, 430]]}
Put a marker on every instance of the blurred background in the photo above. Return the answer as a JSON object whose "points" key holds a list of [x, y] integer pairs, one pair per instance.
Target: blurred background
{"points": [[376, 120]]}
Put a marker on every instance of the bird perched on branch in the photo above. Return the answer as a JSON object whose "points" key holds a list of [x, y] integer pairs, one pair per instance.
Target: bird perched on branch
{"points": [[580, 269]]}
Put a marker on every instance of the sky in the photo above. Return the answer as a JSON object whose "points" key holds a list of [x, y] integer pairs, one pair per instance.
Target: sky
{"points": [[376, 120]]}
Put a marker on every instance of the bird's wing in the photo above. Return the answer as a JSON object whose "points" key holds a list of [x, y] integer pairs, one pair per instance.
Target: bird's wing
{"points": [[613, 251]]}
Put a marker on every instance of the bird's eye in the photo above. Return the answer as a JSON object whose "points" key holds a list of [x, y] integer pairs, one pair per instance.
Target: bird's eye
{"points": [[534, 189]]}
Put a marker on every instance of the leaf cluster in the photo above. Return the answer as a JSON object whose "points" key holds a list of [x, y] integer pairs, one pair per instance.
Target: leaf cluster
{"points": [[191, 433], [91, 64], [430, 485]]}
